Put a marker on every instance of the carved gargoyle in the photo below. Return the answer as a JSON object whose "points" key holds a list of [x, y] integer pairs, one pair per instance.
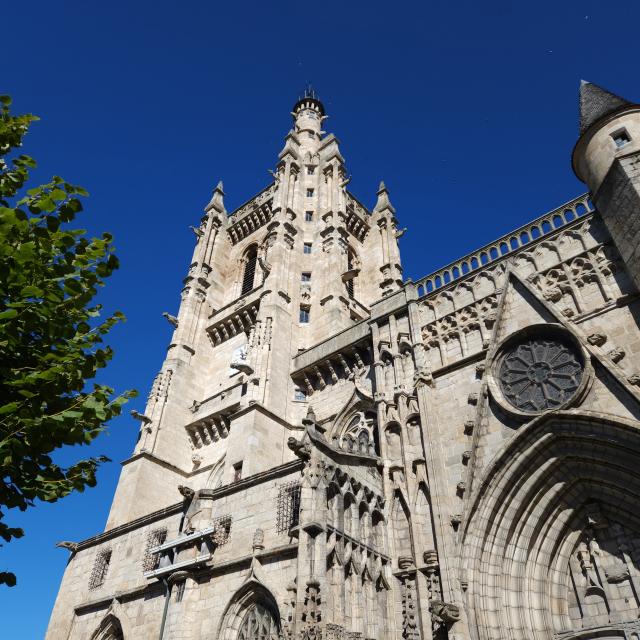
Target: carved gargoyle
{"points": [[170, 319], [140, 416], [70, 546], [199, 232], [445, 611], [301, 449], [186, 492]]}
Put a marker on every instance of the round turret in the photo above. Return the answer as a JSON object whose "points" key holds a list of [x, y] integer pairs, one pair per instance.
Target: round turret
{"points": [[308, 113], [609, 128]]}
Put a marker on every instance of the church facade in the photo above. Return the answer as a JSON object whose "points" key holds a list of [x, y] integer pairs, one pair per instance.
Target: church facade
{"points": [[330, 452]]}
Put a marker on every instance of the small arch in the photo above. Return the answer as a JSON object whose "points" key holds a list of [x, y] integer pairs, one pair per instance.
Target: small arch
{"points": [[484, 258], [524, 237], [514, 243], [474, 263], [438, 282], [420, 290], [503, 248], [429, 286], [546, 227], [465, 267], [557, 221], [581, 209], [493, 252], [456, 272], [535, 232], [109, 629], [569, 215]]}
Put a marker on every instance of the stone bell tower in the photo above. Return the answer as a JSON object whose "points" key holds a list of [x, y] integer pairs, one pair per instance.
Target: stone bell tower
{"points": [[607, 158], [295, 264]]}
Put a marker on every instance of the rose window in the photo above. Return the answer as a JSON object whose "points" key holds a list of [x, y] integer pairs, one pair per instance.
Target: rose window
{"points": [[537, 374]]}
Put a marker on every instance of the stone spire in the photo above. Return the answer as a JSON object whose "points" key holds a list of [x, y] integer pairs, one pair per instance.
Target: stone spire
{"points": [[596, 103], [383, 203], [217, 200]]}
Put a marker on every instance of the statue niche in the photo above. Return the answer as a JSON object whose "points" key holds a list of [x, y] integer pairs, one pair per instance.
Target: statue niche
{"points": [[603, 573]]}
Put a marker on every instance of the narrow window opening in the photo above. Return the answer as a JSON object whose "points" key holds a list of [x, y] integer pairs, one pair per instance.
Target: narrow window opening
{"points": [[299, 395], [305, 276], [309, 193], [249, 271], [621, 138], [307, 247], [308, 216], [237, 471], [304, 315], [310, 170], [100, 569]]}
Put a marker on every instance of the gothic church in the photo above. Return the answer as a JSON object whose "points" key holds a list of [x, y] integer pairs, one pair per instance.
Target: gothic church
{"points": [[330, 452]]}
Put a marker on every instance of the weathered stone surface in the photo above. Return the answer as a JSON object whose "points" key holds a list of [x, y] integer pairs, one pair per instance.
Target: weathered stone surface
{"points": [[327, 452]]}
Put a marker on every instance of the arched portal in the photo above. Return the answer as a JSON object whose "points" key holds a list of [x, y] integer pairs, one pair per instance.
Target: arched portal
{"points": [[552, 543]]}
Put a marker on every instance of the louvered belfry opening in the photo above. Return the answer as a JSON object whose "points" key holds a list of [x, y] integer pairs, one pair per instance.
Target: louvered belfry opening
{"points": [[249, 271], [350, 290]]}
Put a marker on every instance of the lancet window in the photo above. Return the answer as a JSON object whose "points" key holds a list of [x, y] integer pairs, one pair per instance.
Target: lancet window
{"points": [[249, 275], [259, 624]]}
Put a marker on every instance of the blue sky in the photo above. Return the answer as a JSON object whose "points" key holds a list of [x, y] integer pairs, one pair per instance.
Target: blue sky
{"points": [[467, 110]]}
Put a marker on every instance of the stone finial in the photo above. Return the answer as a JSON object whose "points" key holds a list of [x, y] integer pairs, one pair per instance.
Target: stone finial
{"points": [[383, 203], [217, 200]]}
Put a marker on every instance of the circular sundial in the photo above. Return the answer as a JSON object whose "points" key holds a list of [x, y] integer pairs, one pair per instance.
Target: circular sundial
{"points": [[536, 374]]}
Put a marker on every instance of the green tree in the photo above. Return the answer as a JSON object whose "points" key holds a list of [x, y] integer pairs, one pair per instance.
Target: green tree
{"points": [[51, 337]]}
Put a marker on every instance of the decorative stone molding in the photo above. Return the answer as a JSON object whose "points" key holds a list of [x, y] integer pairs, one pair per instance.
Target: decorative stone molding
{"points": [[597, 339], [616, 354]]}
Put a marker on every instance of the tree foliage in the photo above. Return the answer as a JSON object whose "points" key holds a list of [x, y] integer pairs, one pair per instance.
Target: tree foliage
{"points": [[51, 333]]}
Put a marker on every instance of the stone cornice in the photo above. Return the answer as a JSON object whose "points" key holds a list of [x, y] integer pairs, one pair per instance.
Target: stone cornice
{"points": [[241, 485]]}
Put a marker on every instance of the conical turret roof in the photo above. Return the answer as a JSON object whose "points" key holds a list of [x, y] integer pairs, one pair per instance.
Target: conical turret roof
{"points": [[596, 103]]}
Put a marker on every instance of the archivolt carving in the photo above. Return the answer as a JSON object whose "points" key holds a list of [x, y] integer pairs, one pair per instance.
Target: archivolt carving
{"points": [[528, 535]]}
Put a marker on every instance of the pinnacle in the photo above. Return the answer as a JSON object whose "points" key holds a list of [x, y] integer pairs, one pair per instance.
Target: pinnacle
{"points": [[217, 199], [596, 103], [383, 203]]}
